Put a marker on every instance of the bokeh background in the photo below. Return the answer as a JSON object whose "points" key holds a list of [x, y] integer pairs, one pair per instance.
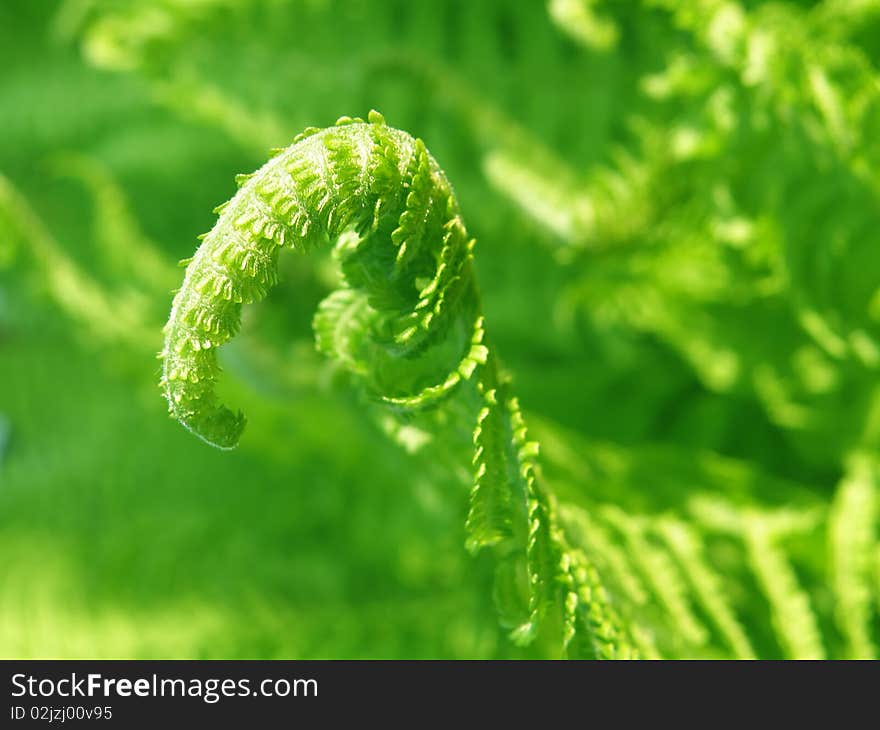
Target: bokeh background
{"points": [[676, 208]]}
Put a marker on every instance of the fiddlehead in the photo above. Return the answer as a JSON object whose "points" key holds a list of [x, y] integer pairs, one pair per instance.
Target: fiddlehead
{"points": [[408, 295], [406, 322]]}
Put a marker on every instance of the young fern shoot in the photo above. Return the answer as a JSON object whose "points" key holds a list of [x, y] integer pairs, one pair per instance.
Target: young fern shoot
{"points": [[406, 321]]}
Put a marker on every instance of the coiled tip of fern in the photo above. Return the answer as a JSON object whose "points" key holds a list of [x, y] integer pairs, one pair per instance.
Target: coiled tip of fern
{"points": [[407, 281], [195, 408], [221, 428]]}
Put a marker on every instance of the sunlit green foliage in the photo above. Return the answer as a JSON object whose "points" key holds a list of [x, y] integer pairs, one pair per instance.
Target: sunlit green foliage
{"points": [[676, 207]]}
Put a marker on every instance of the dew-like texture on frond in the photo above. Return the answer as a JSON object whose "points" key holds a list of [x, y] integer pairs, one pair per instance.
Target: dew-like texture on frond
{"points": [[490, 519], [381, 185], [592, 628]]}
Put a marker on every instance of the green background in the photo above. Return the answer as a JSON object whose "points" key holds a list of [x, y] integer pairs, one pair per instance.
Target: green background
{"points": [[724, 308]]}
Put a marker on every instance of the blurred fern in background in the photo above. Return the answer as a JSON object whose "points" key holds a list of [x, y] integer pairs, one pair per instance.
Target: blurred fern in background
{"points": [[676, 205]]}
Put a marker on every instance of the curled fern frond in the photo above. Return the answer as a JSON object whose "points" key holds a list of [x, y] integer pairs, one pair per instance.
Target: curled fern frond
{"points": [[408, 304], [406, 322]]}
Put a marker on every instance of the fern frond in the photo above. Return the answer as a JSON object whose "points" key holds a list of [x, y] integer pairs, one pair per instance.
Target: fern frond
{"points": [[340, 324], [609, 554], [407, 313], [707, 585], [742, 187], [491, 516], [593, 628], [852, 528], [322, 186], [661, 574], [793, 616]]}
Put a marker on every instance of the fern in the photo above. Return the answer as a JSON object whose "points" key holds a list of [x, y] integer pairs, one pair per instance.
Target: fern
{"points": [[694, 574], [407, 323], [793, 616], [792, 613], [852, 536], [703, 176], [407, 314], [678, 214], [708, 588]]}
